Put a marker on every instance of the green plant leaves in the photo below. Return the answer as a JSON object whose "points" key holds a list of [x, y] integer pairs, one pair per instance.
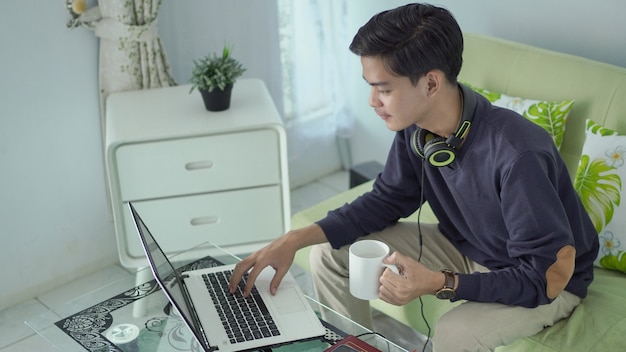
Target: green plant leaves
{"points": [[551, 116], [213, 71], [614, 262], [599, 185], [599, 189], [491, 96], [599, 129]]}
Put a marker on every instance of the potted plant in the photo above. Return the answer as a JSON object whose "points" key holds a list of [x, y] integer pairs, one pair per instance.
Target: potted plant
{"points": [[214, 77]]}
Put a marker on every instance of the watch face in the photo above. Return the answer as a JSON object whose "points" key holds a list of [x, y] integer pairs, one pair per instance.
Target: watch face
{"points": [[445, 293]]}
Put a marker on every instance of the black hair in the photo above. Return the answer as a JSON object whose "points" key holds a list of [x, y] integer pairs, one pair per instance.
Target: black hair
{"points": [[412, 40]]}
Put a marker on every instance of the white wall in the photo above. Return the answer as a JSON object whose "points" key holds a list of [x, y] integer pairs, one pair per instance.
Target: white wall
{"points": [[54, 218], [590, 29]]}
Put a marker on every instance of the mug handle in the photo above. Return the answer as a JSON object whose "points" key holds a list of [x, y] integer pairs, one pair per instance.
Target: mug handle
{"points": [[392, 268]]}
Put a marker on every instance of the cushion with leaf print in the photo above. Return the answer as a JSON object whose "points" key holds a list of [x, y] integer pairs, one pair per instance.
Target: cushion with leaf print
{"points": [[551, 115], [599, 180]]}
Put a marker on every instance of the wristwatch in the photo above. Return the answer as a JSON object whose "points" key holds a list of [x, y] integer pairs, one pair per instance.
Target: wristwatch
{"points": [[447, 291]]}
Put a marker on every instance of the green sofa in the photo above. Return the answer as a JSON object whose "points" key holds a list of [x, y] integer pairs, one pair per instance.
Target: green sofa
{"points": [[599, 91]]}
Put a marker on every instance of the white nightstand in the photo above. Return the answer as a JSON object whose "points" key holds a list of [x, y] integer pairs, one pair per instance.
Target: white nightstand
{"points": [[193, 175]]}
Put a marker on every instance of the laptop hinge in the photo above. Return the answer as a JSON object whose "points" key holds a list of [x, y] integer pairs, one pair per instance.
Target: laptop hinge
{"points": [[192, 310]]}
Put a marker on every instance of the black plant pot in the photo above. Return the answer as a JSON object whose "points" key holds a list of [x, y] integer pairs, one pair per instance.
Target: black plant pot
{"points": [[217, 99]]}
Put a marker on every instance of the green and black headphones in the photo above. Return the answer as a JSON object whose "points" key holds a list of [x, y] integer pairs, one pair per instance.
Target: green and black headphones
{"points": [[439, 151]]}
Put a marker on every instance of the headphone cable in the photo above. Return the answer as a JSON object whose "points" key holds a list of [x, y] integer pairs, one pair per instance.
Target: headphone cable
{"points": [[419, 257]]}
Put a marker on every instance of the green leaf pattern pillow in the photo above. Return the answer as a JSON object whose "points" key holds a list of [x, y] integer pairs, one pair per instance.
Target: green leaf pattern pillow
{"points": [[599, 176], [551, 115]]}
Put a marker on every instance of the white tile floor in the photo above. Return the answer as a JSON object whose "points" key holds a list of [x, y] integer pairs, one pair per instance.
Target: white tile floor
{"points": [[16, 336]]}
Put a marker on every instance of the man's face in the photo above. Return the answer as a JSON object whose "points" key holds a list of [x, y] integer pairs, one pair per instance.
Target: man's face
{"points": [[394, 98]]}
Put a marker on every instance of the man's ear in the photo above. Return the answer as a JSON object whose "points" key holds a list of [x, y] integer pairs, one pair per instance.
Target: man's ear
{"points": [[434, 80]]}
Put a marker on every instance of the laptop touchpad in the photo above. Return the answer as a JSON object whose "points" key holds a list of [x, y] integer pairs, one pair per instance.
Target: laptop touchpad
{"points": [[288, 301]]}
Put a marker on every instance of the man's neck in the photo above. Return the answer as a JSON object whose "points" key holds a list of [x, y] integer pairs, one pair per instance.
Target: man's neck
{"points": [[448, 115]]}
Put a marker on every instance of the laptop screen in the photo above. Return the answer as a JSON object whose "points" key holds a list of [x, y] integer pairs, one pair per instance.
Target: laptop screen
{"points": [[165, 272]]}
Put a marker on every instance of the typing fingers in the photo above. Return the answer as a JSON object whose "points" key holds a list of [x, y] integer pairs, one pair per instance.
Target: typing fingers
{"points": [[240, 269], [254, 273]]}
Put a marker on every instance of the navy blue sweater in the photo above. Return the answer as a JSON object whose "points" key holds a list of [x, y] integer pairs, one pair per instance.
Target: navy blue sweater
{"points": [[506, 202]]}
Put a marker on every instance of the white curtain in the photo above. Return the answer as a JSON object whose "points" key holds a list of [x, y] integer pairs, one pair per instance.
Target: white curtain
{"points": [[314, 44], [131, 54]]}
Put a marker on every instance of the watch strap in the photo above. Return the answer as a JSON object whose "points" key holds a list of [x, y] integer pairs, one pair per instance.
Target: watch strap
{"points": [[449, 283], [447, 291]]}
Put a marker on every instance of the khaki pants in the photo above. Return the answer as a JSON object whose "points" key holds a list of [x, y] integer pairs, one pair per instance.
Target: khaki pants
{"points": [[471, 326]]}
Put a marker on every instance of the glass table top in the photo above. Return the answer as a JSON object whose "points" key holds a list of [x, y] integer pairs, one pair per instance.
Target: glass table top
{"points": [[135, 315]]}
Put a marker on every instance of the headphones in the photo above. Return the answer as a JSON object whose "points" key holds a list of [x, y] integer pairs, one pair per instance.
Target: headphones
{"points": [[439, 151]]}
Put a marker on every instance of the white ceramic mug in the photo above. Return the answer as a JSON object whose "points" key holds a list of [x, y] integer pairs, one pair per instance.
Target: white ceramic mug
{"points": [[366, 267]]}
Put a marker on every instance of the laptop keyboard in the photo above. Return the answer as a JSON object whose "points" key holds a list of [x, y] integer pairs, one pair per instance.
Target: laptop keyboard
{"points": [[244, 319]]}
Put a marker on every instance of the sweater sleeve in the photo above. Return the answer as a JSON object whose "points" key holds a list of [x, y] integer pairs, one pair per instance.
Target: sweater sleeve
{"points": [[538, 229]]}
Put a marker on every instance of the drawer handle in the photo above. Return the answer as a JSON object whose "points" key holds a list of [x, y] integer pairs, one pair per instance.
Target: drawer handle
{"points": [[199, 165], [205, 220]]}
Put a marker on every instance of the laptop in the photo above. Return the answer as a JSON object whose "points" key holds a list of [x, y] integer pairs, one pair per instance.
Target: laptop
{"points": [[203, 304]]}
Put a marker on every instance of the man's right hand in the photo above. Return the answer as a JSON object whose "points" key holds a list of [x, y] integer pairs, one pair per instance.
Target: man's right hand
{"points": [[279, 254]]}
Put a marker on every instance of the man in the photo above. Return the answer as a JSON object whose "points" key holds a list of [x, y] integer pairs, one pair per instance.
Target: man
{"points": [[513, 239]]}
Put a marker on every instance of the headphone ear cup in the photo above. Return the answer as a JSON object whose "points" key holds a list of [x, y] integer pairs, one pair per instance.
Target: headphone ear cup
{"points": [[422, 140], [438, 152], [431, 147], [417, 136]]}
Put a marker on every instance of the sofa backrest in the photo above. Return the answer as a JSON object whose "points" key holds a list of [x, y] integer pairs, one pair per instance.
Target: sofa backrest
{"points": [[515, 69]]}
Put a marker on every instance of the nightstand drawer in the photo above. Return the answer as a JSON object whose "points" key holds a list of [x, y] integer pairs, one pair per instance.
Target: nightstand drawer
{"points": [[236, 217], [198, 165]]}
